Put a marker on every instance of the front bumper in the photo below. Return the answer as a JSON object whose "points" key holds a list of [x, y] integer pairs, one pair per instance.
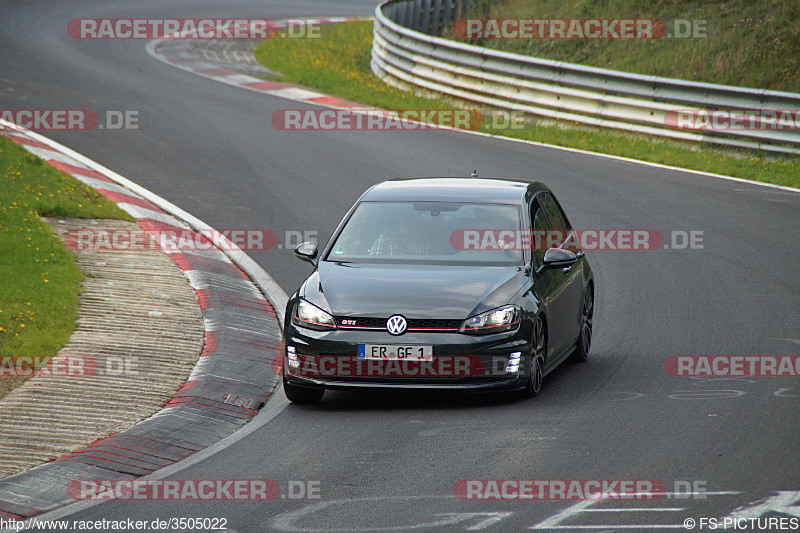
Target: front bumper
{"points": [[460, 362]]}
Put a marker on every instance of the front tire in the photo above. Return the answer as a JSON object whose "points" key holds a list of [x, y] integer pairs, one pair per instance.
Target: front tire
{"points": [[300, 394], [584, 343], [536, 375]]}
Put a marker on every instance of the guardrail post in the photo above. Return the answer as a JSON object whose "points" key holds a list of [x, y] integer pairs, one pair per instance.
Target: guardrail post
{"points": [[416, 14], [407, 17], [435, 27], [425, 17], [446, 16]]}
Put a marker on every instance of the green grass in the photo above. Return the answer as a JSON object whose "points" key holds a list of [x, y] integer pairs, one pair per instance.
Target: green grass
{"points": [[748, 43], [338, 64], [40, 280]]}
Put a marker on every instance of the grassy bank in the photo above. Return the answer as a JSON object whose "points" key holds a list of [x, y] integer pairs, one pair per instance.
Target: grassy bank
{"points": [[338, 63], [733, 42], [40, 281]]}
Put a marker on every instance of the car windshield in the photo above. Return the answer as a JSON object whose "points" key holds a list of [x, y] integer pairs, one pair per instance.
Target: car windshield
{"points": [[428, 233]]}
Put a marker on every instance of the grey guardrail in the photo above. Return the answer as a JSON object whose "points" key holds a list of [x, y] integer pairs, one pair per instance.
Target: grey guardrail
{"points": [[408, 52]]}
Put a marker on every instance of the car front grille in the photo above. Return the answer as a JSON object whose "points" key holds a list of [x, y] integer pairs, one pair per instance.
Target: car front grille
{"points": [[414, 324]]}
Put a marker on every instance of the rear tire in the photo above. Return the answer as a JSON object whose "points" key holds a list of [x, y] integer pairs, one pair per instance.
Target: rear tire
{"points": [[536, 375], [300, 394], [584, 343]]}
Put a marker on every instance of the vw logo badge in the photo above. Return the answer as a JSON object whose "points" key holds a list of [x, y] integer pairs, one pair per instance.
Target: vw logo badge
{"points": [[396, 325]]}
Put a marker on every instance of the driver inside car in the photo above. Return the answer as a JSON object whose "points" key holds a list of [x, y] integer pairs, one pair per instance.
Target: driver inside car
{"points": [[401, 240]]}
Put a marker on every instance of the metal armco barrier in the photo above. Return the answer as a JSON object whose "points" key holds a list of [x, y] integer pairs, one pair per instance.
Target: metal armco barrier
{"points": [[408, 52]]}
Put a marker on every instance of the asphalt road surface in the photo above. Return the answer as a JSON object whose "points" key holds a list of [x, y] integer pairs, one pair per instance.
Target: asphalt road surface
{"points": [[386, 462]]}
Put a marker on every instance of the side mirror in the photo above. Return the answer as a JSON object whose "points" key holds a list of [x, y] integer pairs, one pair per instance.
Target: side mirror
{"points": [[557, 258], [307, 251]]}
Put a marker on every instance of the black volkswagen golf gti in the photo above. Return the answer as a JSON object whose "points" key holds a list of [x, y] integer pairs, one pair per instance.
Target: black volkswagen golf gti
{"points": [[445, 283]]}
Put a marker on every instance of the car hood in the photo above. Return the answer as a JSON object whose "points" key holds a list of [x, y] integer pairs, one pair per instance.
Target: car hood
{"points": [[414, 291]]}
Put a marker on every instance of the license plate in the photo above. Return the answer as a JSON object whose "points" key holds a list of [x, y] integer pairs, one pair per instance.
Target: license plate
{"points": [[403, 352]]}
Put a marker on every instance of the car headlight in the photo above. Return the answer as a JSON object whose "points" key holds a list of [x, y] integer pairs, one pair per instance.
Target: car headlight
{"points": [[310, 316], [494, 321]]}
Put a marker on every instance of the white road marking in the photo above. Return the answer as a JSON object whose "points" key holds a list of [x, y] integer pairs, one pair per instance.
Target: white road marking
{"points": [[490, 520], [100, 184], [780, 503], [762, 190], [49, 154], [612, 527], [572, 510], [236, 79], [793, 341], [293, 93], [705, 394], [556, 521], [623, 396], [286, 521], [142, 212], [636, 510]]}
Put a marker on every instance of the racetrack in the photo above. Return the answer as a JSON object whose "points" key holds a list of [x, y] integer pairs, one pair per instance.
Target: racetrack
{"points": [[391, 460]]}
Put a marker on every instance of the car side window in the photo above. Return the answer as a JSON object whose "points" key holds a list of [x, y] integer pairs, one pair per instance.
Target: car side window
{"points": [[563, 236], [540, 230]]}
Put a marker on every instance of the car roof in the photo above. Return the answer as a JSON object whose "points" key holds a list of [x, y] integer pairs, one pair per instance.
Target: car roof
{"points": [[493, 190]]}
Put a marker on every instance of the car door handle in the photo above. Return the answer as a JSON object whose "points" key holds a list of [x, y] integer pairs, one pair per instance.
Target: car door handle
{"points": [[566, 270]]}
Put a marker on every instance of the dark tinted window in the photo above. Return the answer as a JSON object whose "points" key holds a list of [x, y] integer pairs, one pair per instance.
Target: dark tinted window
{"points": [[554, 214], [430, 233], [563, 234], [541, 228]]}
